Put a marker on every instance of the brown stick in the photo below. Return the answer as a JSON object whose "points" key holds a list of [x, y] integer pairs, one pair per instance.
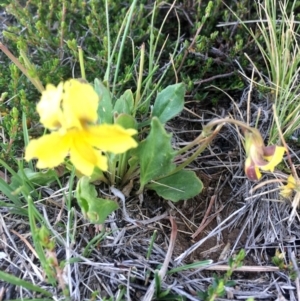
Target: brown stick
{"points": [[204, 220]]}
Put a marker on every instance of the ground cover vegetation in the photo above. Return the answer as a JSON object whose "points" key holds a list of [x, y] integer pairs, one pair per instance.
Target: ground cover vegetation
{"points": [[147, 147]]}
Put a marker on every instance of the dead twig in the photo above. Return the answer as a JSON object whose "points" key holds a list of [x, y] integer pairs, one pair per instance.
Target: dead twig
{"points": [[199, 82], [207, 220], [204, 221], [253, 269]]}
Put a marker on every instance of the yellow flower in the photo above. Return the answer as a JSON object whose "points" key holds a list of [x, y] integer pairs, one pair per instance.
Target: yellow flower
{"points": [[287, 190], [260, 156], [72, 104], [70, 111], [49, 108]]}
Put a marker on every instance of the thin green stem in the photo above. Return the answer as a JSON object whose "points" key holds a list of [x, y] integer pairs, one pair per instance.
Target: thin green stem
{"points": [[196, 141], [215, 122], [106, 77], [151, 43], [131, 173], [199, 150], [207, 132], [112, 162], [205, 138], [160, 31], [32, 69], [153, 65], [123, 159], [128, 22], [81, 62]]}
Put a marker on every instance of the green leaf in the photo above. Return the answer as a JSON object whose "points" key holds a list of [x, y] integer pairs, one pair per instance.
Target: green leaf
{"points": [[230, 283], [194, 265], [99, 209], [39, 177], [169, 102], [105, 112], [126, 121], [35, 219], [26, 299], [125, 103], [14, 209], [155, 153], [9, 192], [133, 162], [157, 280], [165, 294], [20, 282], [181, 185], [93, 208], [202, 295]]}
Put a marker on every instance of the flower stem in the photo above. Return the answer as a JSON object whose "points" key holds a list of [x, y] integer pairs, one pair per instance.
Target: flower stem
{"points": [[112, 162], [122, 44], [106, 77], [207, 131], [123, 159], [205, 142], [81, 62]]}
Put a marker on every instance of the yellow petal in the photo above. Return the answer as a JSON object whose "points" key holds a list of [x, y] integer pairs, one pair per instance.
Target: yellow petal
{"points": [[85, 158], [111, 138], [291, 182], [50, 150], [80, 103], [275, 159], [287, 190], [49, 107]]}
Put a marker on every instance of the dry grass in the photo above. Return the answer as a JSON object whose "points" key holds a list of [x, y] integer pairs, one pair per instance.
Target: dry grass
{"points": [[232, 216]]}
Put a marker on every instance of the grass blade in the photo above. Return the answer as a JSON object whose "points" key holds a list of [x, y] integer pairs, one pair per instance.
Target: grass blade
{"points": [[20, 282], [194, 265]]}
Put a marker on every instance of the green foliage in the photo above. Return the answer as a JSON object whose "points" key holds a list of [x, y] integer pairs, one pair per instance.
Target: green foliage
{"points": [[155, 154], [153, 160], [181, 185], [125, 104], [41, 178], [46, 42], [94, 208], [18, 190], [211, 50], [151, 164], [277, 62], [169, 102], [279, 260], [48, 50], [164, 295], [217, 289], [41, 239], [105, 107], [280, 49], [28, 285], [194, 265]]}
